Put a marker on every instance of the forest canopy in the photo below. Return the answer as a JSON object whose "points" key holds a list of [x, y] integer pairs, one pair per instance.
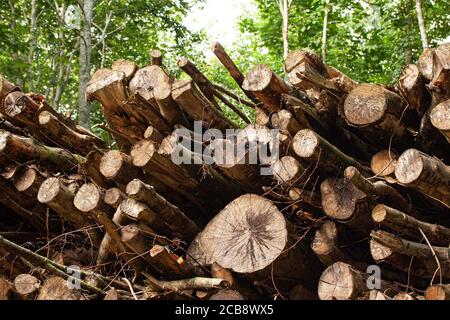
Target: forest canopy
{"points": [[53, 46]]}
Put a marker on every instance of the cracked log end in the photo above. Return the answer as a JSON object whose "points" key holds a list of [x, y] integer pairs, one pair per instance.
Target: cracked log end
{"points": [[87, 197], [409, 166], [247, 235]]}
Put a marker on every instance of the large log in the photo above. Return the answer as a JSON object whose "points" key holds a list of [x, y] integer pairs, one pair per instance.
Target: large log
{"points": [[376, 112], [128, 67], [251, 236], [425, 174]]}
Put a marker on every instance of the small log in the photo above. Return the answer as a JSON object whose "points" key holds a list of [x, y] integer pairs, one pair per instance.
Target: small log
{"points": [[5, 88], [21, 150], [300, 292], [285, 121], [167, 106], [232, 69], [56, 288], [135, 241], [409, 226], [261, 117], [169, 264], [376, 112], [117, 166], [198, 107], [378, 295], [156, 56], [343, 82], [138, 211], [409, 248], [405, 296], [425, 174], [128, 67], [180, 225], [267, 86], [26, 286], [65, 136], [60, 198], [288, 171], [433, 59], [226, 295], [5, 286], [341, 281], [438, 292], [413, 89], [383, 164], [440, 118], [28, 181], [113, 197], [325, 245], [310, 146], [152, 134], [112, 294], [306, 63]]}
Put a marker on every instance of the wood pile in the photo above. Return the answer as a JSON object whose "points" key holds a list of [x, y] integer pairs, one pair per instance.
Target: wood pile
{"points": [[361, 183]]}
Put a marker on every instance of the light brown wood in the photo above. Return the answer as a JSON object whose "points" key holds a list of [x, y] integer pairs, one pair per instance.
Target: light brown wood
{"points": [[55, 288], [26, 286], [438, 292], [440, 118]]}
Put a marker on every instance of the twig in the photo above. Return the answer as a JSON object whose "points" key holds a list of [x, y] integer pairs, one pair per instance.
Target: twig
{"points": [[435, 258]]}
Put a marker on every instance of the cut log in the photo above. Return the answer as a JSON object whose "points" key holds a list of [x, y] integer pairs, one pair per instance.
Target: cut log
{"points": [[409, 248], [306, 63], [180, 225], [21, 150], [285, 121], [128, 67], [26, 286], [405, 296], [425, 174], [5, 88], [341, 281], [169, 264], [343, 82], [433, 59], [198, 107], [156, 56], [56, 288], [152, 134], [413, 89], [383, 164], [226, 295], [232, 69], [310, 146], [409, 226], [251, 236], [438, 292], [167, 106], [325, 245], [440, 118], [288, 171], [65, 136], [135, 241], [267, 86], [28, 181], [112, 294], [113, 197], [60, 198], [376, 112]]}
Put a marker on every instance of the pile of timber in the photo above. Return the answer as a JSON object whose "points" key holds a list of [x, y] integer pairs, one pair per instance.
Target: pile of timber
{"points": [[357, 206]]}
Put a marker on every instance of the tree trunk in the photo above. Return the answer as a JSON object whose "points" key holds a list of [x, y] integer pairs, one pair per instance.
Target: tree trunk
{"points": [[324, 30], [421, 22], [85, 61]]}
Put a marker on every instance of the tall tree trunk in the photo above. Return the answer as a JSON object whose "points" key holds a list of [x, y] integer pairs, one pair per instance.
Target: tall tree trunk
{"points": [[324, 30], [85, 61], [284, 10], [408, 51], [423, 31], [32, 46]]}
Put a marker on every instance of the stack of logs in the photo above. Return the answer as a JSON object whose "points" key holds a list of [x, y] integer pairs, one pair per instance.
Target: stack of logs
{"points": [[357, 206]]}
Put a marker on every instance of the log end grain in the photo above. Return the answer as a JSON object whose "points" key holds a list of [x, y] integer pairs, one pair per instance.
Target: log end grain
{"points": [[305, 143], [409, 166], [87, 198]]}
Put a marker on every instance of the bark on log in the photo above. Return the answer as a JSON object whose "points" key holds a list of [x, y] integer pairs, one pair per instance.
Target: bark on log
{"points": [[288, 171], [28, 181], [156, 56], [409, 248], [413, 89], [306, 63], [21, 150], [425, 174], [233, 70], [267, 86], [409, 226], [169, 264], [5, 88]]}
